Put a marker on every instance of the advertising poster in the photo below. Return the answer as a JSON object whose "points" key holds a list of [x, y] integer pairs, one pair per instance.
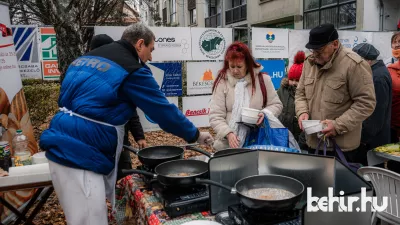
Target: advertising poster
{"points": [[14, 114], [200, 77], [27, 48], [176, 40], [210, 43], [49, 54], [169, 77], [270, 43], [275, 69], [197, 109]]}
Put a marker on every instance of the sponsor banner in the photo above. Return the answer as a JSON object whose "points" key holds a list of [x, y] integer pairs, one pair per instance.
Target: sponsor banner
{"points": [[14, 112], [381, 41], [201, 76], [26, 45], [275, 69], [147, 123], [197, 109], [176, 40], [169, 77], [350, 39], [49, 53], [210, 43], [297, 42], [270, 43]]}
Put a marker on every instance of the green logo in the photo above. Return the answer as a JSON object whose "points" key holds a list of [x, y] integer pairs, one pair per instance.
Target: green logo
{"points": [[212, 43], [49, 49]]}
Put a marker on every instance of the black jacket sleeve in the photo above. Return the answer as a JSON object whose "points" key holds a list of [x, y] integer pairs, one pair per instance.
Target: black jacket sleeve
{"points": [[135, 127]]}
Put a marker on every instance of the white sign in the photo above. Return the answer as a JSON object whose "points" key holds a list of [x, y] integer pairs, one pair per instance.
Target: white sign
{"points": [[210, 43], [197, 109], [115, 32], [297, 42], [350, 39], [171, 44], [269, 43], [201, 76], [26, 44], [381, 41], [147, 123]]}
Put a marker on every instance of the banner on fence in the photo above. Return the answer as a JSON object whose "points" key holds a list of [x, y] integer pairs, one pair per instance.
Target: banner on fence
{"points": [[169, 77], [275, 69], [200, 76], [210, 43], [48, 45], [171, 43], [270, 43], [147, 123], [27, 49], [197, 109], [13, 109]]}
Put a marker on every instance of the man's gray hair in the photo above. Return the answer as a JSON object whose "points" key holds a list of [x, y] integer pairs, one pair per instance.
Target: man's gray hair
{"points": [[137, 31]]}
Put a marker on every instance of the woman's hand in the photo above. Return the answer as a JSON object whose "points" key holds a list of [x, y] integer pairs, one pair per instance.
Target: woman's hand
{"points": [[260, 118], [233, 140]]}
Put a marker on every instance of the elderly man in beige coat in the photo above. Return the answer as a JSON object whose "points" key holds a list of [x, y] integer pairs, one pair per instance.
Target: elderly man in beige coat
{"points": [[336, 87]]}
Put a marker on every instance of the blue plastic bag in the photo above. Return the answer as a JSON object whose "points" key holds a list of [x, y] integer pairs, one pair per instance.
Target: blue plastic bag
{"points": [[273, 148], [265, 135]]}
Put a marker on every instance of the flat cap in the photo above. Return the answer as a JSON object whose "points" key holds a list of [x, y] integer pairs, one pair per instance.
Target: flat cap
{"points": [[367, 51]]}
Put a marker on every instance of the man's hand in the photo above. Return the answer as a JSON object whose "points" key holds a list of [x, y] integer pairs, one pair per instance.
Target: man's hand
{"points": [[205, 138], [233, 140], [329, 130], [260, 118], [303, 116], [142, 143]]}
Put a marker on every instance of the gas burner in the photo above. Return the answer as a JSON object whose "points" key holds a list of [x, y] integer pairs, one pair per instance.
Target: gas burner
{"points": [[241, 215], [180, 201]]}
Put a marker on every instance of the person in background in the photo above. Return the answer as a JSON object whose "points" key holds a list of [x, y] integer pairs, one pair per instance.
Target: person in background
{"points": [[336, 87], [376, 128], [134, 126], [286, 94], [98, 96], [239, 84], [394, 70]]}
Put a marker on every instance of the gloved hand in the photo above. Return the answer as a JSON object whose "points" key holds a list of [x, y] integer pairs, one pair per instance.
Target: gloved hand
{"points": [[205, 138]]}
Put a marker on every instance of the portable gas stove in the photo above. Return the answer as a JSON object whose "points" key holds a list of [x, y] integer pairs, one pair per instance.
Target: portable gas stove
{"points": [[241, 215], [183, 200]]}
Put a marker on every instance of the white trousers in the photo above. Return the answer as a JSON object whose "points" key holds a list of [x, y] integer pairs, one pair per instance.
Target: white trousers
{"points": [[81, 194]]}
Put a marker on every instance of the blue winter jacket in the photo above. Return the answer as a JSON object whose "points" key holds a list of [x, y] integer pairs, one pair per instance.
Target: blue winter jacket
{"points": [[106, 85]]}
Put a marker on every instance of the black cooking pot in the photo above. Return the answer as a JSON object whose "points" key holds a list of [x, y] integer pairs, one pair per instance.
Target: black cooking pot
{"points": [[166, 172], [153, 156], [264, 181]]}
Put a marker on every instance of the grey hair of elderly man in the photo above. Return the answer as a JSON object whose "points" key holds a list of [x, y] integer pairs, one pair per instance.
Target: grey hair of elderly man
{"points": [[137, 31]]}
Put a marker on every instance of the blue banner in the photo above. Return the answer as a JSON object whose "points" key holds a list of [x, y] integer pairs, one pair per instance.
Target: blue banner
{"points": [[275, 69], [169, 77]]}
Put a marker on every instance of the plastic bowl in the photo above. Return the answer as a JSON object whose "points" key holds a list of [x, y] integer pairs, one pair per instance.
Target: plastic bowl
{"points": [[249, 112], [312, 126], [249, 120]]}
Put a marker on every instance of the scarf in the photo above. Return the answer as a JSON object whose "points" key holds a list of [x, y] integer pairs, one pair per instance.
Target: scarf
{"points": [[242, 99], [396, 53]]}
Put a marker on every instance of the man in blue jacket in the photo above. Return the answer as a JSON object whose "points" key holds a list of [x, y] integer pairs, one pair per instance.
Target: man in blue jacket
{"points": [[99, 94]]}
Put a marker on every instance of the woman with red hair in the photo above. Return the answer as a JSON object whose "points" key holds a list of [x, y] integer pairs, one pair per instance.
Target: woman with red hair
{"points": [[239, 84]]}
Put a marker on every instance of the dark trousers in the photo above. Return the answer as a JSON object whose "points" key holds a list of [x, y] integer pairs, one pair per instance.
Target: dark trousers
{"points": [[124, 162]]}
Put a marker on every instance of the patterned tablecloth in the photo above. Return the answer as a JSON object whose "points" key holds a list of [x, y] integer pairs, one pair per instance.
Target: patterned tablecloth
{"points": [[133, 201]]}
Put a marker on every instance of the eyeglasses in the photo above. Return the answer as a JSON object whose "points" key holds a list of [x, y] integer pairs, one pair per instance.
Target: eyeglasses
{"points": [[319, 51]]}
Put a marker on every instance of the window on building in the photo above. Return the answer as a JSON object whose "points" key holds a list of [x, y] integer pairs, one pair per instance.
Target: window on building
{"points": [[193, 17], [236, 3], [172, 10], [341, 13]]}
